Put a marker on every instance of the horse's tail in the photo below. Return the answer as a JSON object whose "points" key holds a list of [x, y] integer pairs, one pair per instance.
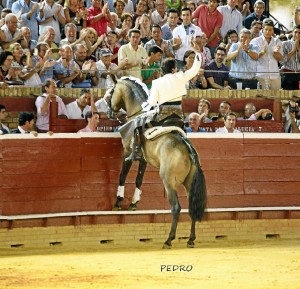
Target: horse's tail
{"points": [[197, 193]]}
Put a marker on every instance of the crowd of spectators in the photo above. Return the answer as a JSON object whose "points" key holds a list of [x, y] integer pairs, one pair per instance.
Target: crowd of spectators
{"points": [[92, 43]]}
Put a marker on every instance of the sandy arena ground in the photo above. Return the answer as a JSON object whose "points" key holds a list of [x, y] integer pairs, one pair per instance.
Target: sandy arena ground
{"points": [[268, 264]]}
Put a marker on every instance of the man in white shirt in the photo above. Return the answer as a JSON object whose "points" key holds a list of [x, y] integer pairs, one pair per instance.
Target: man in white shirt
{"points": [[270, 53], [53, 16], [10, 33], [167, 92], [183, 35], [78, 108], [232, 17], [159, 15], [229, 122], [108, 72]]}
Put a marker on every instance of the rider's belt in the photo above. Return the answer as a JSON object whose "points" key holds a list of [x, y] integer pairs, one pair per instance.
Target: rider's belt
{"points": [[172, 103]]}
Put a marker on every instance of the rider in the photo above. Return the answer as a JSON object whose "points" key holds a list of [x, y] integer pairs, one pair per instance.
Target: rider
{"points": [[167, 92]]}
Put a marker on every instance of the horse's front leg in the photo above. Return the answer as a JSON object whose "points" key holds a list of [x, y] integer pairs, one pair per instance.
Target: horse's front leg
{"points": [[126, 165], [175, 214], [138, 183], [190, 243]]}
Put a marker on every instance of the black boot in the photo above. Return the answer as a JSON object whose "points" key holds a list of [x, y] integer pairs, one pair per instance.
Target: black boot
{"points": [[136, 155]]}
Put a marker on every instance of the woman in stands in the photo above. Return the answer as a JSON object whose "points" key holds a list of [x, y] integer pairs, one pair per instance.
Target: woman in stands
{"points": [[6, 60], [145, 27], [17, 52], [197, 81], [8, 73], [126, 20]]}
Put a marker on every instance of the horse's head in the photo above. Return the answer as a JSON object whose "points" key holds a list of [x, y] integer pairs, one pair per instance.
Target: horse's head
{"points": [[129, 95], [113, 99]]}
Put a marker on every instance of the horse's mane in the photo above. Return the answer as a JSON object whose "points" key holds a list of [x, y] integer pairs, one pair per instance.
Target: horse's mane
{"points": [[133, 88], [138, 92]]}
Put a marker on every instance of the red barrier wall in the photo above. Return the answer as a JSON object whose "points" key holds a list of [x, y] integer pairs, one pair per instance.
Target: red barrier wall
{"points": [[70, 172]]}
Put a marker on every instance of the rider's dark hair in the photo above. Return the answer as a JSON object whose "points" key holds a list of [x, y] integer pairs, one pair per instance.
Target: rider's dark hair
{"points": [[168, 65]]}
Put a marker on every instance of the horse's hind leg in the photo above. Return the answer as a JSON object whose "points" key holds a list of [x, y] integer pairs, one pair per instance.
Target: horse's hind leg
{"points": [[175, 209], [138, 183], [120, 194], [190, 243]]}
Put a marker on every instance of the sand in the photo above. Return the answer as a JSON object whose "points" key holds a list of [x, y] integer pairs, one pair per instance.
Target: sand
{"points": [[221, 264]]}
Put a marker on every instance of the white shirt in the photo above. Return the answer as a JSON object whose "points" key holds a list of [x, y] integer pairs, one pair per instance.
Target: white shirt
{"points": [[32, 81], [107, 82], [74, 112], [224, 130], [22, 130], [101, 105], [171, 87], [129, 7], [5, 127], [179, 31], [267, 63], [232, 19], [156, 18], [8, 35], [49, 12]]}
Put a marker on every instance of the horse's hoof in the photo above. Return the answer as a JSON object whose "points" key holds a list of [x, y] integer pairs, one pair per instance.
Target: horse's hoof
{"points": [[190, 244], [132, 207], [116, 208], [167, 246]]}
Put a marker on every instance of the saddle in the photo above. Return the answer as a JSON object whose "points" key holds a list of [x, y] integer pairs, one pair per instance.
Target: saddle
{"points": [[154, 132]]}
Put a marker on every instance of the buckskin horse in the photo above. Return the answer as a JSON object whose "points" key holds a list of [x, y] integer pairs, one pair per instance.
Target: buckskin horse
{"points": [[171, 153]]}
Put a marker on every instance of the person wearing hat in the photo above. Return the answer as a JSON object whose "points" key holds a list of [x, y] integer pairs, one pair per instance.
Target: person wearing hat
{"points": [[108, 72]]}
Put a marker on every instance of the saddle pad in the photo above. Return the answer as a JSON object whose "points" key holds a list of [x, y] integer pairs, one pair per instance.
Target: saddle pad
{"points": [[157, 131]]}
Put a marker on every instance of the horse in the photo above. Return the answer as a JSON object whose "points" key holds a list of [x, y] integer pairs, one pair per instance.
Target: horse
{"points": [[171, 153]]}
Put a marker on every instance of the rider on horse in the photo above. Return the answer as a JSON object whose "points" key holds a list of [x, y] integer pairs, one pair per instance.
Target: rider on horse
{"points": [[167, 92]]}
